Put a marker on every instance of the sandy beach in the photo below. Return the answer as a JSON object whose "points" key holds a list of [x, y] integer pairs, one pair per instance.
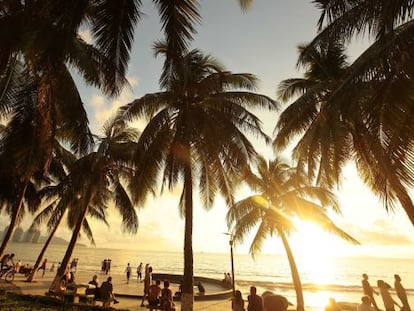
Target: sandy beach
{"points": [[40, 286]]}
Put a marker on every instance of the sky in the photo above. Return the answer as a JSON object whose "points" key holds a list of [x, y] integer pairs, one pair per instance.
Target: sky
{"points": [[261, 41]]}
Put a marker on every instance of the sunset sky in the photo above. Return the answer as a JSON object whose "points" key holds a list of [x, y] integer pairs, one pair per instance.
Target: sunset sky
{"points": [[261, 41]]}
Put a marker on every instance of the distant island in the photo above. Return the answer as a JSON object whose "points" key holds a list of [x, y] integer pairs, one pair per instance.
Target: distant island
{"points": [[34, 237]]}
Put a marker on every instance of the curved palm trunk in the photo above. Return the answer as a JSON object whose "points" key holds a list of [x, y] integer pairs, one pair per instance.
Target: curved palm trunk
{"points": [[13, 220], [65, 261], [300, 305], [187, 296], [43, 251]]}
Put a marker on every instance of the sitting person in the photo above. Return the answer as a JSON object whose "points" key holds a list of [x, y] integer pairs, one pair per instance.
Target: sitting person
{"points": [[166, 301], [274, 302], [92, 286], [106, 293], [201, 289], [332, 305], [154, 292], [71, 284]]}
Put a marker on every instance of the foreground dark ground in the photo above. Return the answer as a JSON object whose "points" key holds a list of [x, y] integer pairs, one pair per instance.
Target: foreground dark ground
{"points": [[19, 302]]}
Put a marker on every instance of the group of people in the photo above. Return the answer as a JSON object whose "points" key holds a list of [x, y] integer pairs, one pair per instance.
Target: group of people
{"points": [[267, 301], [227, 280], [105, 292], [383, 288], [160, 297], [106, 266]]}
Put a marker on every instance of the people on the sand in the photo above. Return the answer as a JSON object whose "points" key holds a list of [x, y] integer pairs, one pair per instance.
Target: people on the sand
{"points": [[237, 303], [43, 267], [166, 300], [201, 289], [17, 266], [139, 272], [93, 285], [255, 302], [71, 284], [274, 302], [74, 264], [128, 271], [147, 283], [401, 293], [389, 302], [106, 292], [7, 261], [154, 292], [332, 305], [368, 290], [365, 304]]}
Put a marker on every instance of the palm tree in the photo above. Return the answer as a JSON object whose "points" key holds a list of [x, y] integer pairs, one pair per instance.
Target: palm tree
{"points": [[324, 68], [55, 209], [367, 116], [92, 182], [196, 133], [283, 192]]}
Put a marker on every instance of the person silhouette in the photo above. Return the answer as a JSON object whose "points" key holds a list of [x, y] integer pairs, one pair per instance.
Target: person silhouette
{"points": [[402, 295], [368, 290]]}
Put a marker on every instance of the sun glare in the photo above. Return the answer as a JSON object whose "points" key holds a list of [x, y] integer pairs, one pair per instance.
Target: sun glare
{"points": [[315, 251]]}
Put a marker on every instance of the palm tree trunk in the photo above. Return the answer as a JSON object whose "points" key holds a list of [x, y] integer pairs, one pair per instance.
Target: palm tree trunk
{"points": [[65, 261], [300, 305], [43, 251], [14, 218], [187, 296]]}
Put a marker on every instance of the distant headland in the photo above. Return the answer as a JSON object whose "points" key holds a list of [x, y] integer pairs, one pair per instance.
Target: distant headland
{"points": [[33, 236]]}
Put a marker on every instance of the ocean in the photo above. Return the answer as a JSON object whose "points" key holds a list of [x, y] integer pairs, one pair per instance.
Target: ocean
{"points": [[337, 277]]}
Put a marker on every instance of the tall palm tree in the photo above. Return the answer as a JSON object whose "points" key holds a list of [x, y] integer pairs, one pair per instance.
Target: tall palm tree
{"points": [[367, 116], [92, 182], [196, 133], [324, 68], [283, 192]]}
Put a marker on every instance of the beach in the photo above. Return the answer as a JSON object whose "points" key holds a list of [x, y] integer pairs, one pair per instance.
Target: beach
{"points": [[339, 277], [41, 285]]}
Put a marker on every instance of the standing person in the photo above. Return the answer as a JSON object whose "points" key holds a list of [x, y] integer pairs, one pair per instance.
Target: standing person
{"points": [[139, 272], [128, 271], [386, 296], [365, 304], [43, 267], [255, 301], [147, 283], [402, 295], [237, 303], [368, 290]]}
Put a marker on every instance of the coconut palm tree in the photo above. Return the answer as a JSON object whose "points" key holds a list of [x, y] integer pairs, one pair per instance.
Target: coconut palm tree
{"points": [[196, 134], [324, 68], [283, 193], [55, 209], [366, 117], [92, 182]]}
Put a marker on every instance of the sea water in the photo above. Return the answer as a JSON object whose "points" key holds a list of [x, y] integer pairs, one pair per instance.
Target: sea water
{"points": [[337, 277]]}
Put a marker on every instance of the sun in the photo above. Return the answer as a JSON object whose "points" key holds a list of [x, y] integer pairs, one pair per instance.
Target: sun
{"points": [[315, 252]]}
